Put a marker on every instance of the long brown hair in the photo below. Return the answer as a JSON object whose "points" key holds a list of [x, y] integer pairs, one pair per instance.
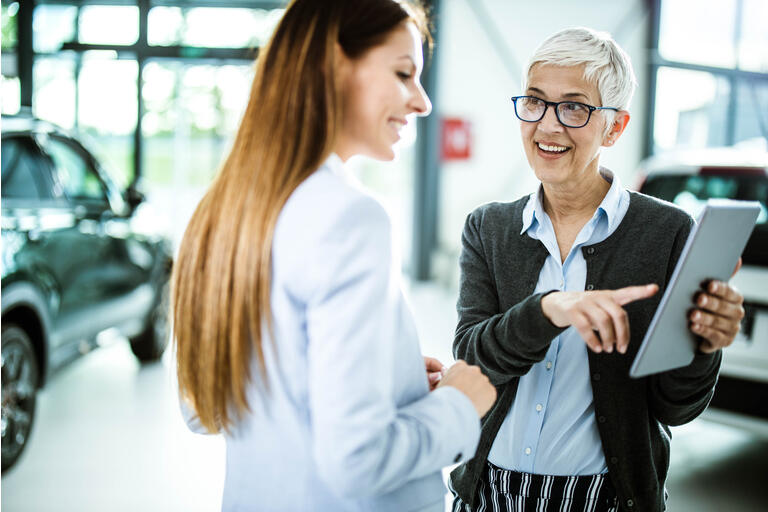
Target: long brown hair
{"points": [[221, 279]]}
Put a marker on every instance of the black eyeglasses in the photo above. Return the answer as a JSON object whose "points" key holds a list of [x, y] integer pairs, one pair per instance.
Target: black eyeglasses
{"points": [[571, 114]]}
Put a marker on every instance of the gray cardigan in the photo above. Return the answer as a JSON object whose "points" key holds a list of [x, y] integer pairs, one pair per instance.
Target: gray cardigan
{"points": [[502, 329]]}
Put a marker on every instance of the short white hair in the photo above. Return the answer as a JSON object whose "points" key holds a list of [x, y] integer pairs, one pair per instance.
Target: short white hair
{"points": [[605, 63]]}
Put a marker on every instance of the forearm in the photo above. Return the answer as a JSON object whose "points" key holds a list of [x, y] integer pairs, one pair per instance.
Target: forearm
{"points": [[365, 459], [505, 345], [678, 396]]}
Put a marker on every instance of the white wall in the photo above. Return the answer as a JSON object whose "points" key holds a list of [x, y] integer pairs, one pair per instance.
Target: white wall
{"points": [[475, 83]]}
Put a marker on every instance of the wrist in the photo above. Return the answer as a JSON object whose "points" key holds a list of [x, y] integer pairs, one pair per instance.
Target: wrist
{"points": [[549, 308]]}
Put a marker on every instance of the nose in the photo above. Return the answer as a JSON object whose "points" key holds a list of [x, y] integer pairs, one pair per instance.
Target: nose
{"points": [[549, 122], [419, 102]]}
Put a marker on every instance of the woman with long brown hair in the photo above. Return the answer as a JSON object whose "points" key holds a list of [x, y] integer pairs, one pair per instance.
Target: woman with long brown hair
{"points": [[292, 337]]}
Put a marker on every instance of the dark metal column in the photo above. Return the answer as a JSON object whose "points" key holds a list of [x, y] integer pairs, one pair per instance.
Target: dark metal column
{"points": [[426, 190], [24, 51], [653, 53], [142, 43]]}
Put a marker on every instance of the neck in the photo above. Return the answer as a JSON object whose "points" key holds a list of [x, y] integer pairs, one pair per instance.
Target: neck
{"points": [[574, 200]]}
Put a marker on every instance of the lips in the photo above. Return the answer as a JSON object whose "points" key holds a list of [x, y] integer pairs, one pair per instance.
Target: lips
{"points": [[396, 124], [551, 150], [551, 147]]}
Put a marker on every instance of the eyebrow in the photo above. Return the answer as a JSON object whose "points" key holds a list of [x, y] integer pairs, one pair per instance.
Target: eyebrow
{"points": [[570, 95]]}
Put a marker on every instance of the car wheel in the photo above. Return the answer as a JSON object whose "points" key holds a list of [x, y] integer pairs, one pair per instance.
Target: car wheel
{"points": [[20, 379], [150, 344]]}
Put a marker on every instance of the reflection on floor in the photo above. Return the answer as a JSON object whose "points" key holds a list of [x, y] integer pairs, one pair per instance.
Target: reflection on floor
{"points": [[108, 437]]}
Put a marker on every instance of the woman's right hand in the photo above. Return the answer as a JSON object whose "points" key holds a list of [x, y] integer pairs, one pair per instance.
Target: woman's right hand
{"points": [[596, 312], [473, 383]]}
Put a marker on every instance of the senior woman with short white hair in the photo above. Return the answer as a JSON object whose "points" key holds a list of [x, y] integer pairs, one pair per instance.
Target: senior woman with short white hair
{"points": [[557, 291]]}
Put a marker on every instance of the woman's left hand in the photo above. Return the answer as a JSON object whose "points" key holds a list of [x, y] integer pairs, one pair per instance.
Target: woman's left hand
{"points": [[717, 317], [435, 371]]}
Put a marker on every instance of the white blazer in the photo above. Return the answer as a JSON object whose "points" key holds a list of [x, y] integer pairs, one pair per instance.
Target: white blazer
{"points": [[349, 422]]}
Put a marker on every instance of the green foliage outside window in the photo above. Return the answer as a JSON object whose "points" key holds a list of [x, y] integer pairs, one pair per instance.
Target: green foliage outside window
{"points": [[9, 11]]}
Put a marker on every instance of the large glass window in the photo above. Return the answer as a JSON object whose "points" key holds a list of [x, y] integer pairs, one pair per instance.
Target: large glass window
{"points": [[192, 112], [11, 95], [107, 110], [53, 25], [109, 24], [711, 74], [211, 27], [691, 109], [690, 32], [753, 46], [54, 95]]}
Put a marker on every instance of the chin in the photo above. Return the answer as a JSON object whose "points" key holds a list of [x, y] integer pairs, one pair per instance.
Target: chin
{"points": [[385, 154], [550, 176]]}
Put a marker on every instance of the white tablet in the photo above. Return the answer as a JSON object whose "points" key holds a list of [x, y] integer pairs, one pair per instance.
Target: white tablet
{"points": [[711, 252]]}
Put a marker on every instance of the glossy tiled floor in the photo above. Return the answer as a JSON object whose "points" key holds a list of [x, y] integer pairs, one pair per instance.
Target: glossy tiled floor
{"points": [[108, 437]]}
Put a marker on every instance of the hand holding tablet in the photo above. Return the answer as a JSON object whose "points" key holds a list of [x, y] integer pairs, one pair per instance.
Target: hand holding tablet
{"points": [[709, 256]]}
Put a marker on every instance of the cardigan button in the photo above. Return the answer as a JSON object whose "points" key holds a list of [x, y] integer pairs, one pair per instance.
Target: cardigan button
{"points": [[590, 250], [590, 287], [630, 503], [596, 376], [614, 460], [601, 419]]}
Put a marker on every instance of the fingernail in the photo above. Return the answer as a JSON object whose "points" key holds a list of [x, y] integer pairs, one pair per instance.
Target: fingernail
{"points": [[715, 287], [598, 349], [609, 349], [697, 316], [703, 300], [622, 349]]}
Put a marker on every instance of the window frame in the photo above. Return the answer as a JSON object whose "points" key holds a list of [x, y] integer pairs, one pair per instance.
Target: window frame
{"points": [[736, 77]]}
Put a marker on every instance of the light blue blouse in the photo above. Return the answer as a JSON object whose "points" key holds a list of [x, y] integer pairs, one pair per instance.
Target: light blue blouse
{"points": [[551, 427], [349, 422]]}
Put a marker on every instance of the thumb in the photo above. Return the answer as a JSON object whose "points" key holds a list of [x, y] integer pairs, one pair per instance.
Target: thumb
{"points": [[629, 294]]}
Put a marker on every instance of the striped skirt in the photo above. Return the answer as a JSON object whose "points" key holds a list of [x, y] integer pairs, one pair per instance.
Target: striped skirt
{"points": [[503, 490]]}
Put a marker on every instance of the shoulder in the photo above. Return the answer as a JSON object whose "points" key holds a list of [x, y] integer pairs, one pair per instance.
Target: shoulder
{"points": [[662, 214], [497, 214], [328, 205]]}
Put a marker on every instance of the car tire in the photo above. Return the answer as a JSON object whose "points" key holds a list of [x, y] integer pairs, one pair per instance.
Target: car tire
{"points": [[150, 344], [20, 376]]}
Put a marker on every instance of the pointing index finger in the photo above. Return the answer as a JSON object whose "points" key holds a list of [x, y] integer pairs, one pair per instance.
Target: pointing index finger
{"points": [[629, 294]]}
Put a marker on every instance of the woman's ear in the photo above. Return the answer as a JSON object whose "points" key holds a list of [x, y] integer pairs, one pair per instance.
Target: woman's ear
{"points": [[343, 64], [620, 121]]}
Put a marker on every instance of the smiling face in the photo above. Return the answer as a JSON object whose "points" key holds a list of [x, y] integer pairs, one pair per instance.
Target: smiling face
{"points": [[559, 155], [382, 93]]}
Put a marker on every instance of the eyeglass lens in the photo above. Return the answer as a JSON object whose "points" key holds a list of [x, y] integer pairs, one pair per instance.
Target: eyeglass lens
{"points": [[569, 113]]}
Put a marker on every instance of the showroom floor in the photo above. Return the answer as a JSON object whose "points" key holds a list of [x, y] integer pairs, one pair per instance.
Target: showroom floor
{"points": [[108, 437]]}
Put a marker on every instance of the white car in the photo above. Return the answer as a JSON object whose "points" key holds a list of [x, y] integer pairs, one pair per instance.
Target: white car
{"points": [[688, 179]]}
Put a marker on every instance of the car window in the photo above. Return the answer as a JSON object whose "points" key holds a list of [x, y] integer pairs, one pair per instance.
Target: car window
{"points": [[691, 192], [75, 174], [24, 170]]}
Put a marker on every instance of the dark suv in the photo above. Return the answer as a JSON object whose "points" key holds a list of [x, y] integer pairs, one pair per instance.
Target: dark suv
{"points": [[76, 267]]}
